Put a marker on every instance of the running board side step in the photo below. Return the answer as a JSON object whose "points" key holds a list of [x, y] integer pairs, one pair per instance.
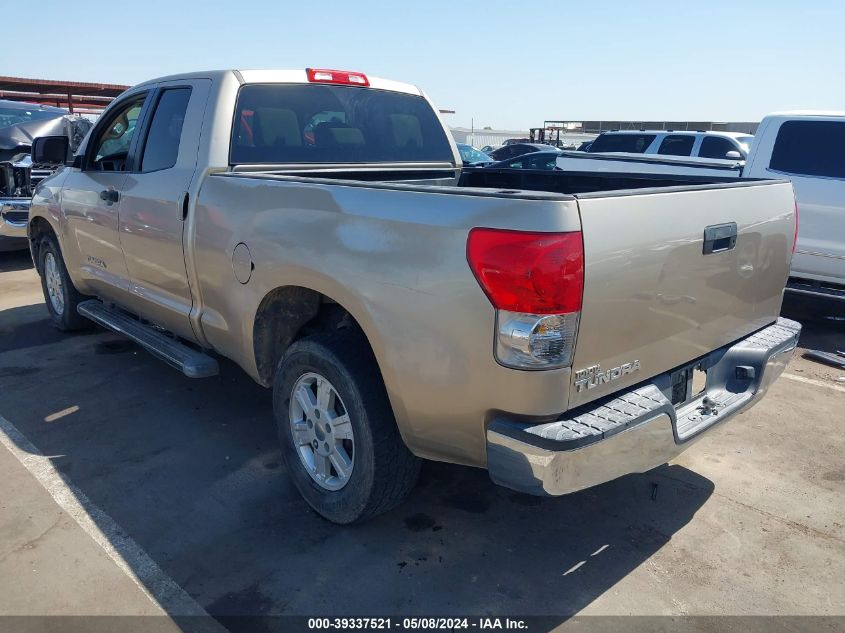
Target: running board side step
{"points": [[192, 363]]}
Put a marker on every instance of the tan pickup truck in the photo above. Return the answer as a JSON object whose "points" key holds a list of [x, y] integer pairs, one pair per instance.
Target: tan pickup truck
{"points": [[315, 226]]}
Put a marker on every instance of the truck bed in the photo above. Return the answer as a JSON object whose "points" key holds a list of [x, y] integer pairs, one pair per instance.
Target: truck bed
{"points": [[581, 182], [650, 293]]}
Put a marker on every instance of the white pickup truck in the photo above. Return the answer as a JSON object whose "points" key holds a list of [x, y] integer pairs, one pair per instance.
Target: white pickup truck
{"points": [[805, 147], [317, 228]]}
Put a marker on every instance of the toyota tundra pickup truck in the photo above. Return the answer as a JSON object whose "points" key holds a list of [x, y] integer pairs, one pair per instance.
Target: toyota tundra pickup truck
{"points": [[317, 228]]}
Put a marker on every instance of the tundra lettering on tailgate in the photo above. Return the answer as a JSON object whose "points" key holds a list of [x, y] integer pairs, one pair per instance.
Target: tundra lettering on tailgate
{"points": [[594, 376]]}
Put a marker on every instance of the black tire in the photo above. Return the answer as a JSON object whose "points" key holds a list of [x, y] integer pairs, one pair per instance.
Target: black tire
{"points": [[384, 471], [68, 319]]}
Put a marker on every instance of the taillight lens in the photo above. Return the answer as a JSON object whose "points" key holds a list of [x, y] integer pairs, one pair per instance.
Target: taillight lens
{"points": [[536, 282], [795, 236], [541, 273]]}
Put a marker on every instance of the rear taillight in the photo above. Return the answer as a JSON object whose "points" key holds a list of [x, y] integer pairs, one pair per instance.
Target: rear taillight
{"points": [[536, 282], [528, 272], [344, 77], [795, 236]]}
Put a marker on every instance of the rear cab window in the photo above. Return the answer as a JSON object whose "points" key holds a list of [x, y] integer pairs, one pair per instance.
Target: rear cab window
{"points": [[633, 143], [309, 123], [162, 145], [810, 148]]}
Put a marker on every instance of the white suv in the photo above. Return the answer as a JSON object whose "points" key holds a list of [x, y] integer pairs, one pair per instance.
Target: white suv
{"points": [[716, 145]]}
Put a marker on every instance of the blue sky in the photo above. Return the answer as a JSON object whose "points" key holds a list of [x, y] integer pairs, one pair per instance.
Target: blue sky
{"points": [[504, 64]]}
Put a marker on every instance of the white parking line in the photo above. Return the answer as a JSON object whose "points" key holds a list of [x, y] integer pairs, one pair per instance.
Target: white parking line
{"points": [[813, 381], [120, 547]]}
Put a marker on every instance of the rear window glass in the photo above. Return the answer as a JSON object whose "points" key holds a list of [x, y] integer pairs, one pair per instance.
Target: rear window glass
{"points": [[677, 145], [810, 148], [295, 123], [636, 143]]}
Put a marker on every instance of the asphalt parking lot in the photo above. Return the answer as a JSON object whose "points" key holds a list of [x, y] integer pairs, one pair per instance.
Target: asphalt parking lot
{"points": [[126, 488]]}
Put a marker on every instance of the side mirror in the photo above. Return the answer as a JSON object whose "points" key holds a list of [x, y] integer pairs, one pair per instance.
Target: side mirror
{"points": [[733, 155], [52, 150]]}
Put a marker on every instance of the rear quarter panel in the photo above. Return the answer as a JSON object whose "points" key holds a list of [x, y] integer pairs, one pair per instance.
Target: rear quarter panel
{"points": [[396, 260]]}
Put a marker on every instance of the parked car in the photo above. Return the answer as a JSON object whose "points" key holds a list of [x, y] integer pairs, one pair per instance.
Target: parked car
{"points": [[487, 149], [804, 147], [473, 157], [585, 146], [514, 141], [716, 145], [518, 149], [19, 124], [402, 308], [535, 160]]}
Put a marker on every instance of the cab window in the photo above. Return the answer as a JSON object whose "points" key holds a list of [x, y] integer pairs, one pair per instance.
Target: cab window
{"points": [[810, 148], [677, 145], [716, 147], [292, 123], [634, 143], [111, 145], [162, 146]]}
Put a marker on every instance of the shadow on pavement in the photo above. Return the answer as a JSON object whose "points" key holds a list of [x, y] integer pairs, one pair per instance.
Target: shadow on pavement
{"points": [[15, 260], [191, 471], [823, 321]]}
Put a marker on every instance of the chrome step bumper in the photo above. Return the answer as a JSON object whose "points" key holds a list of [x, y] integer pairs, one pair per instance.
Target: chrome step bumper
{"points": [[637, 430], [191, 362]]}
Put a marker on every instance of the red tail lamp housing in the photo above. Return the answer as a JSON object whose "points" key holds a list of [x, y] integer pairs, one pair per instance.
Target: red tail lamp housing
{"points": [[538, 273]]}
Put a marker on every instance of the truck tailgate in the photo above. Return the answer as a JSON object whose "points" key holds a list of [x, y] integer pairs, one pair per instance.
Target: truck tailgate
{"points": [[654, 299]]}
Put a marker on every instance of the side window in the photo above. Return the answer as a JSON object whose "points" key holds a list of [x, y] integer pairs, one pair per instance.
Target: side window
{"points": [[715, 147], [543, 162], [677, 145], [111, 147], [162, 146], [810, 148], [635, 143]]}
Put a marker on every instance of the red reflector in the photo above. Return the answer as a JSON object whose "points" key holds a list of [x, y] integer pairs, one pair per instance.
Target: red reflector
{"points": [[795, 237], [539, 273], [325, 76]]}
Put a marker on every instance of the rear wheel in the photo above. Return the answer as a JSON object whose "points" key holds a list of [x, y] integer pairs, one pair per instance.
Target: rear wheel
{"points": [[60, 295], [339, 438]]}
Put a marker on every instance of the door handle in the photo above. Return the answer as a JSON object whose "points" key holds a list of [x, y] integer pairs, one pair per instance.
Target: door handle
{"points": [[719, 238], [110, 196]]}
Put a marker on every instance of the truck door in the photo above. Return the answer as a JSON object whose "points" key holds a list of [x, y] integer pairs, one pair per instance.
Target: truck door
{"points": [[154, 204], [91, 197]]}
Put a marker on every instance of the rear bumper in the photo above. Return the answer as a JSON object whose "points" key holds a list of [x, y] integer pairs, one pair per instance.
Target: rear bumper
{"points": [[816, 288], [637, 430], [14, 216]]}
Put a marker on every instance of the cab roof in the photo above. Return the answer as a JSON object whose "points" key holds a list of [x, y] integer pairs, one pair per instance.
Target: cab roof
{"points": [[298, 76]]}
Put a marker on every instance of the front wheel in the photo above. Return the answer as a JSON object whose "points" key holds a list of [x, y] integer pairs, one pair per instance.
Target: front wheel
{"points": [[339, 438], [60, 295]]}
